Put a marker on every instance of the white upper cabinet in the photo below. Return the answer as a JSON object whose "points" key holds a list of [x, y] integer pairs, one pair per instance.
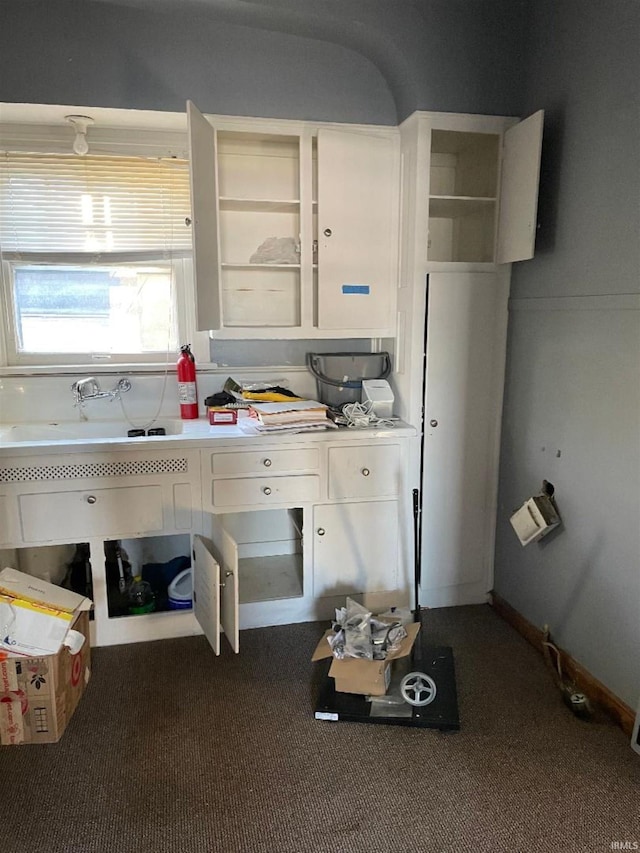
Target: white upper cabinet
{"points": [[294, 228], [357, 197], [482, 180]]}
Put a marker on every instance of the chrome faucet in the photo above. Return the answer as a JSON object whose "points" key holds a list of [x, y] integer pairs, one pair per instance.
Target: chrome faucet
{"points": [[89, 389]]}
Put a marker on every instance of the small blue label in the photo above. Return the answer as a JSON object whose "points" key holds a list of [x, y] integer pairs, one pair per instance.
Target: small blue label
{"points": [[360, 289]]}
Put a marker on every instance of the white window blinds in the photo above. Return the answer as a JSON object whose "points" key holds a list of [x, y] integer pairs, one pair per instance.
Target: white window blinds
{"points": [[93, 208]]}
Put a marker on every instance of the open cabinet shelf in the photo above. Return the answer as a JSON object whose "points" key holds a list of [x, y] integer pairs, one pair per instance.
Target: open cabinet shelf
{"points": [[259, 205], [157, 559], [270, 578], [269, 552], [260, 266], [283, 223], [463, 187]]}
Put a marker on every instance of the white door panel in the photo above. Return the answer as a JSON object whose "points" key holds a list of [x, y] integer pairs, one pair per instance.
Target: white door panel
{"points": [[203, 171], [355, 548], [206, 591], [466, 326], [356, 240], [519, 190], [229, 602]]}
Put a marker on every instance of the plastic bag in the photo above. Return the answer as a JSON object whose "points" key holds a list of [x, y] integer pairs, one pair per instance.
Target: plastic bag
{"points": [[385, 637], [353, 637], [404, 615], [276, 250], [358, 634]]}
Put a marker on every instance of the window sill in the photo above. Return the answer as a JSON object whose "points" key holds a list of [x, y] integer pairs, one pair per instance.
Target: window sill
{"points": [[158, 369], [91, 368]]}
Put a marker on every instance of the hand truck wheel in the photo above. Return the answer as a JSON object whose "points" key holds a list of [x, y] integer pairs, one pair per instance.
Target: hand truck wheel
{"points": [[418, 689]]}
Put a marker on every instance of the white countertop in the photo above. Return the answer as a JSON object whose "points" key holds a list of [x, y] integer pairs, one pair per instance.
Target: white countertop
{"points": [[194, 434]]}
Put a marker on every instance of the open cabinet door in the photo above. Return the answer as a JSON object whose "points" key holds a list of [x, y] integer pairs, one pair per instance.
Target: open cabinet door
{"points": [[203, 172], [227, 550], [357, 194], [519, 190], [206, 591]]}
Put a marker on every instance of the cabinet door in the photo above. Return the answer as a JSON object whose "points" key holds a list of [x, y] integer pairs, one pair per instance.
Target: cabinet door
{"points": [[522, 148], [357, 240], [227, 550], [466, 333], [215, 582], [206, 591], [355, 548], [204, 219], [6, 534]]}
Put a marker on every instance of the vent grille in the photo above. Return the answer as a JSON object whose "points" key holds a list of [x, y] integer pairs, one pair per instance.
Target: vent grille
{"points": [[93, 469]]}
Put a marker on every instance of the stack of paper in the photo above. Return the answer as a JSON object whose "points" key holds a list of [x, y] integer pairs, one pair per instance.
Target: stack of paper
{"points": [[294, 416]]}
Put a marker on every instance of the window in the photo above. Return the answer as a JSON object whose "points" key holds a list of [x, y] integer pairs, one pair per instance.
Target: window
{"points": [[95, 257]]}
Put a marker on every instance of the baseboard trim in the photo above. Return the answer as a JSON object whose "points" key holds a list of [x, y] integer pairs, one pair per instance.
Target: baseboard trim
{"points": [[618, 710]]}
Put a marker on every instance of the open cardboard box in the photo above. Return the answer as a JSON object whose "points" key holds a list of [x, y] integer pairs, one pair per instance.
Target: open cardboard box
{"points": [[35, 616], [45, 657], [368, 677], [38, 695]]}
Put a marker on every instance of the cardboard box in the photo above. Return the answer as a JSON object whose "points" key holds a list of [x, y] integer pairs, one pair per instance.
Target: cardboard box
{"points": [[38, 695], [219, 416], [369, 677], [35, 616]]}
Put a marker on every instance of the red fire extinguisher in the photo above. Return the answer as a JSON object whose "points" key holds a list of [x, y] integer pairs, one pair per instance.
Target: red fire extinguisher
{"points": [[187, 391]]}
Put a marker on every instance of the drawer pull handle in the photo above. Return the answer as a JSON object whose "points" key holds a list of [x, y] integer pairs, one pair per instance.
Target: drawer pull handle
{"points": [[92, 499], [320, 531], [365, 472], [267, 463], [266, 490]]}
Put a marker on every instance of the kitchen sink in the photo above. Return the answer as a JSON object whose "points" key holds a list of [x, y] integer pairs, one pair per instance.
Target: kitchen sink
{"points": [[78, 430]]}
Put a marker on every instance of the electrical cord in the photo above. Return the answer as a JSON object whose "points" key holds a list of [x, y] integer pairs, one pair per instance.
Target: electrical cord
{"points": [[361, 416]]}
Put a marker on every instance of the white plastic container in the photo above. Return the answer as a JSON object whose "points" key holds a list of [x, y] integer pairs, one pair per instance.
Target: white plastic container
{"points": [[181, 591], [378, 393]]}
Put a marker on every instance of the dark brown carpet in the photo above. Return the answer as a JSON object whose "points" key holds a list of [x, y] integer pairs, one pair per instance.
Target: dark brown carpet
{"points": [[172, 750]]}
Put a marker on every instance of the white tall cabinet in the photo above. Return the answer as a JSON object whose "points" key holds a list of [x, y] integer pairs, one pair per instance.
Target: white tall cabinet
{"points": [[469, 200]]}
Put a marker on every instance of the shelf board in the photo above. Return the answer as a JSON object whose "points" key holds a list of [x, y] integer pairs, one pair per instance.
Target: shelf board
{"points": [[270, 578], [292, 267], [259, 205], [451, 207]]}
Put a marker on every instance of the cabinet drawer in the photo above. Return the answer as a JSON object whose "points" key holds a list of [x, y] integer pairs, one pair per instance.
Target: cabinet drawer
{"points": [[364, 472], [271, 462], [76, 516], [264, 491]]}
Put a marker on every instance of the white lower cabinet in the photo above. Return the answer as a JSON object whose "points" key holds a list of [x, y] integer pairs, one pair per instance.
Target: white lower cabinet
{"points": [[273, 536], [355, 548]]}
